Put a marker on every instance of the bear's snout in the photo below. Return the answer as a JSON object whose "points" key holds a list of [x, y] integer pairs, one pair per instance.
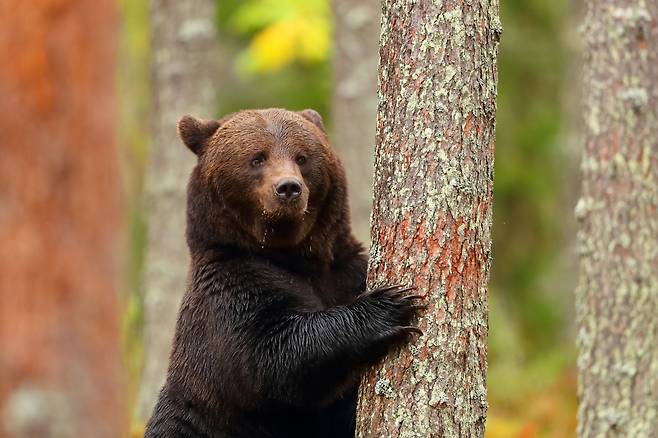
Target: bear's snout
{"points": [[288, 189]]}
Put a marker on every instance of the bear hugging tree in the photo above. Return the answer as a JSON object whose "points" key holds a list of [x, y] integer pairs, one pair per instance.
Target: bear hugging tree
{"points": [[275, 327]]}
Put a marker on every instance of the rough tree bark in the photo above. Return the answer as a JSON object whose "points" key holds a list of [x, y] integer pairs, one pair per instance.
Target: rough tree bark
{"points": [[60, 365], [354, 105], [183, 51], [617, 298], [432, 213]]}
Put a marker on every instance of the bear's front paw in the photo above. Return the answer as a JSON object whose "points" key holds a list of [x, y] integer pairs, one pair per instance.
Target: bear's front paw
{"points": [[396, 308]]}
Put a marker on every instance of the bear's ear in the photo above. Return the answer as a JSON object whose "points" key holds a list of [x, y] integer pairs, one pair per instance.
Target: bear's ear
{"points": [[194, 132], [313, 117]]}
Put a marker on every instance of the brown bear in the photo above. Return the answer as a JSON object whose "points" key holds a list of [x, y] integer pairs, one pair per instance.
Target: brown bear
{"points": [[276, 325]]}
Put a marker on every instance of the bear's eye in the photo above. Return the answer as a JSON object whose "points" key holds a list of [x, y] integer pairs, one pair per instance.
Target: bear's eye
{"points": [[301, 159], [258, 161]]}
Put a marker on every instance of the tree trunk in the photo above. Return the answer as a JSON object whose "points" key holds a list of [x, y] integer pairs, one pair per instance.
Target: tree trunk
{"points": [[60, 365], [183, 40], [354, 106], [432, 213], [617, 298]]}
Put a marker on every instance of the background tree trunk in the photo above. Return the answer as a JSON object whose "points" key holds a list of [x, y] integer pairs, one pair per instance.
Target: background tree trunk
{"points": [[60, 366], [432, 213], [183, 39], [354, 104], [617, 298]]}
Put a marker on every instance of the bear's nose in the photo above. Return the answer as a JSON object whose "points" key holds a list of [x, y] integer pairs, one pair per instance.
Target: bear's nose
{"points": [[288, 189]]}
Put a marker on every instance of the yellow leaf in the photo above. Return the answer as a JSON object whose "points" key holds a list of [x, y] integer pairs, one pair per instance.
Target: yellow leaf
{"points": [[137, 430], [298, 37], [313, 40], [275, 46], [501, 427]]}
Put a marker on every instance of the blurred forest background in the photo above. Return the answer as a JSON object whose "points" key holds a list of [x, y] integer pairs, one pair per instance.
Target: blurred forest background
{"points": [[279, 53], [283, 53]]}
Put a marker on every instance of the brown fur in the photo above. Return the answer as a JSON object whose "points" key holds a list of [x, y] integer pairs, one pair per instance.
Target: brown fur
{"points": [[247, 211]]}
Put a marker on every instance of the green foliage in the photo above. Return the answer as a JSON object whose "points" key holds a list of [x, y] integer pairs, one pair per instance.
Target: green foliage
{"points": [[254, 15], [530, 389], [295, 87], [133, 107], [281, 32], [132, 85], [528, 216], [278, 52]]}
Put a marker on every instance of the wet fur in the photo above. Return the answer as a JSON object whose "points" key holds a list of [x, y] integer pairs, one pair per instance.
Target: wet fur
{"points": [[270, 341]]}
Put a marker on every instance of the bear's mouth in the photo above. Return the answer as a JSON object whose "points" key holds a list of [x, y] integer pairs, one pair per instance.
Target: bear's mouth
{"points": [[282, 232], [283, 227], [276, 211]]}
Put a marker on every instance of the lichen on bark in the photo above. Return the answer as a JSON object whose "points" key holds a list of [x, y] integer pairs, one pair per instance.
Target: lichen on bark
{"points": [[617, 297], [432, 213]]}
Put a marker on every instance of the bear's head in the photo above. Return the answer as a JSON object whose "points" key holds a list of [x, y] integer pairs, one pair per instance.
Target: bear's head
{"points": [[266, 180]]}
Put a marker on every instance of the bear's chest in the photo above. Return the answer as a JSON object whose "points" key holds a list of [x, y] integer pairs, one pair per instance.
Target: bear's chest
{"points": [[314, 287], [314, 292]]}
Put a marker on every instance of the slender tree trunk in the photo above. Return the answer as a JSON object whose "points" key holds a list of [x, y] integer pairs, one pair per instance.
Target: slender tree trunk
{"points": [[432, 213], [183, 41], [60, 365], [354, 106], [617, 298]]}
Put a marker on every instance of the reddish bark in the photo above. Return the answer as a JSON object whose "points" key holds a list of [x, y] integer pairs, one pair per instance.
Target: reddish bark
{"points": [[432, 213], [59, 204]]}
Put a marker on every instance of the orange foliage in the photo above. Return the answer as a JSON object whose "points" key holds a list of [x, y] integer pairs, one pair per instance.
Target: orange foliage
{"points": [[547, 413]]}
